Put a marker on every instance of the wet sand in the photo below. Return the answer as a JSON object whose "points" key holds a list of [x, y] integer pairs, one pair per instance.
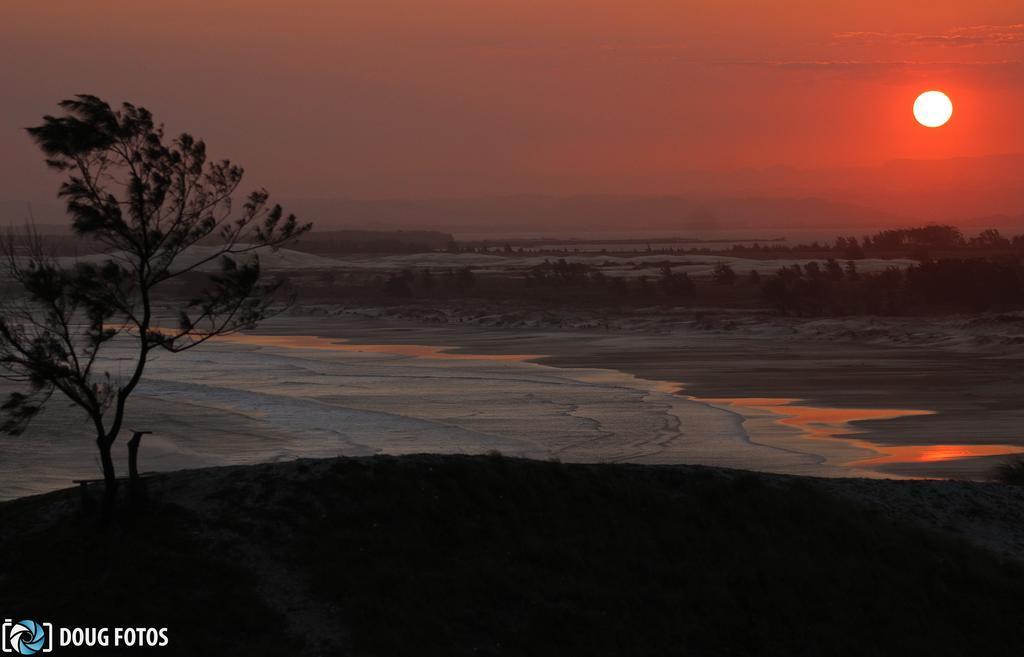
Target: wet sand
{"points": [[313, 386], [285, 394], [916, 411]]}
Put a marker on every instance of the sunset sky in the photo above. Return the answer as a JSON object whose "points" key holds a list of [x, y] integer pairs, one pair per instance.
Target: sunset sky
{"points": [[393, 98]]}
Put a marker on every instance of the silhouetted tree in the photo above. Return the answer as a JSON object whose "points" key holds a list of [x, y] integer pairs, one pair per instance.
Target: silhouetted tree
{"points": [[833, 270], [931, 236], [778, 293], [723, 274], [399, 284], [160, 211], [921, 254], [427, 280], [678, 286], [853, 250], [976, 283], [990, 237], [465, 279], [617, 285], [645, 286]]}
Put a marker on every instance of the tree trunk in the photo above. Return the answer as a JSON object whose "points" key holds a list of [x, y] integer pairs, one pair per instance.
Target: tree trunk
{"points": [[133, 457], [109, 477], [134, 483]]}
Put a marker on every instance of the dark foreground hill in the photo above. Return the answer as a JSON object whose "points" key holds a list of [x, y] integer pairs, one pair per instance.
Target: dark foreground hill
{"points": [[430, 555]]}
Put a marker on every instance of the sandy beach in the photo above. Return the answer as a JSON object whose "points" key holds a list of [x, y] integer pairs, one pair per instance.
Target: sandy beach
{"points": [[945, 407], [358, 387]]}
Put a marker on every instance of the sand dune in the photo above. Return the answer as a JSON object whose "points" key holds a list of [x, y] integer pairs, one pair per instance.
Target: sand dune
{"points": [[699, 266]]}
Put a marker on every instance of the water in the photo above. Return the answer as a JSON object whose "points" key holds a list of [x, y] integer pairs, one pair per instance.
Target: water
{"points": [[257, 398]]}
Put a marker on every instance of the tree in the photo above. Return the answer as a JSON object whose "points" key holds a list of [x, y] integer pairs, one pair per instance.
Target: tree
{"points": [[645, 286], [990, 238], [833, 270], [399, 284], [427, 280], [158, 211], [465, 279], [853, 250], [777, 290], [677, 286], [723, 274]]}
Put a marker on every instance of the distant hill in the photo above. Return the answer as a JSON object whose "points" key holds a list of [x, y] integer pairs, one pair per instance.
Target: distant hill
{"points": [[592, 213], [678, 213], [373, 241], [1006, 223], [946, 190], [972, 192]]}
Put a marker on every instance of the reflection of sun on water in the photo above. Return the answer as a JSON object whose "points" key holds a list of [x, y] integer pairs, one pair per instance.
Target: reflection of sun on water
{"points": [[340, 344], [823, 423], [937, 453]]}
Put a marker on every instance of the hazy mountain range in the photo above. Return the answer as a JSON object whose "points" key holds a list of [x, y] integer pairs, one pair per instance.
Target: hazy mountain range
{"points": [[973, 193]]}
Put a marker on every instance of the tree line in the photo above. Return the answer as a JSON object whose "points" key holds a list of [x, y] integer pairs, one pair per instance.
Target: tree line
{"points": [[815, 288], [932, 285]]}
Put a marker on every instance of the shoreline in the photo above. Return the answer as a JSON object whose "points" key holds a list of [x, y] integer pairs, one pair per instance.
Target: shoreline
{"points": [[823, 447], [969, 434], [228, 405]]}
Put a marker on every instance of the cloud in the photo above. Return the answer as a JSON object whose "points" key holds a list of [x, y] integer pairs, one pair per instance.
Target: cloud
{"points": [[1007, 70], [855, 65], [971, 36]]}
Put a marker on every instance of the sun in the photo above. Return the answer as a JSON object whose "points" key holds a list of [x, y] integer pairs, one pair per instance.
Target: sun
{"points": [[932, 109]]}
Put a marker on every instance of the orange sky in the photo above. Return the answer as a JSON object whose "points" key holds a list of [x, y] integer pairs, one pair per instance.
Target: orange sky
{"points": [[392, 98]]}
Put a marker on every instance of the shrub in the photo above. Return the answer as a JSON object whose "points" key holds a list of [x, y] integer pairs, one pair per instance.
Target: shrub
{"points": [[1011, 472], [723, 274]]}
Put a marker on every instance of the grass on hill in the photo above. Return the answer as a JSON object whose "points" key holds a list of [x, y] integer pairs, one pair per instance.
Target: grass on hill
{"points": [[496, 556], [1011, 472]]}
